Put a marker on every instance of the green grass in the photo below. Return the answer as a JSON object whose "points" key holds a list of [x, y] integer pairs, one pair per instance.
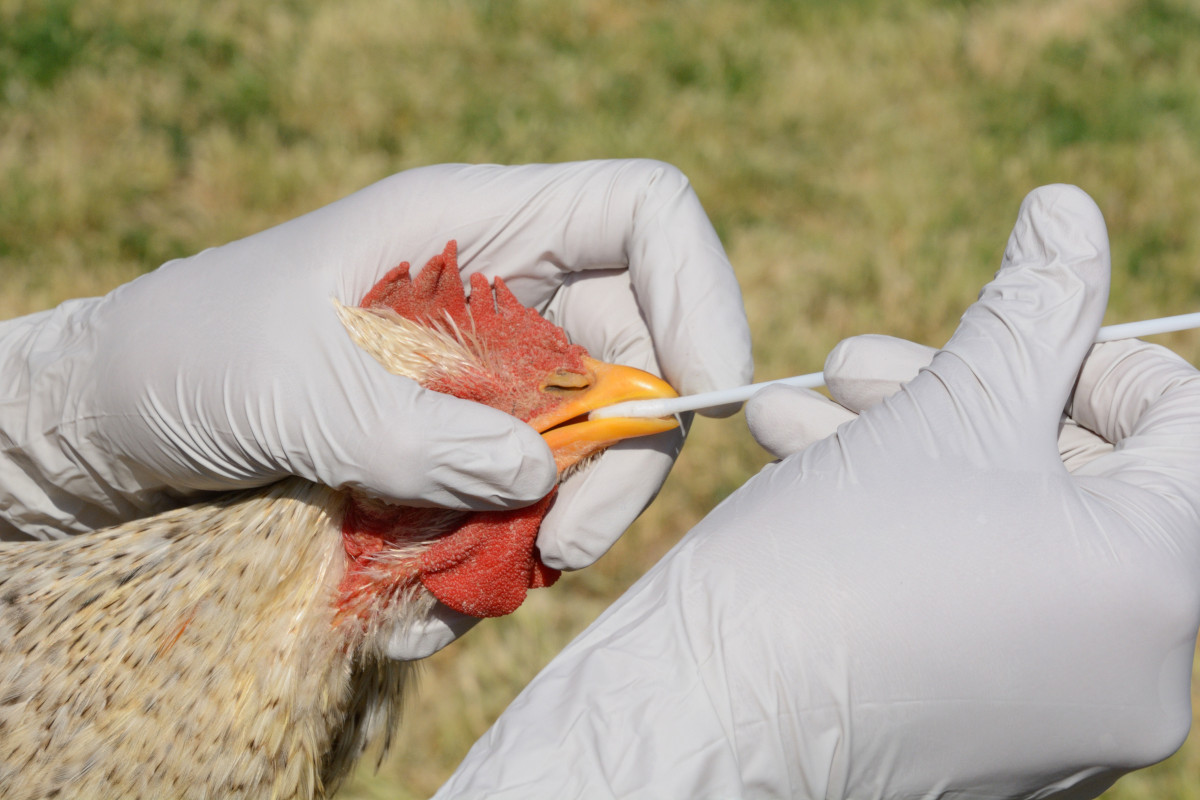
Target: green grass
{"points": [[863, 162]]}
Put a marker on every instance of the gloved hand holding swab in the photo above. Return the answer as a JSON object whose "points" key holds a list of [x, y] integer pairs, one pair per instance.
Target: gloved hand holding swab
{"points": [[740, 394]]}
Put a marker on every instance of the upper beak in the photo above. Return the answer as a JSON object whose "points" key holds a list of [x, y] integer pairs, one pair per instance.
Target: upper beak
{"points": [[572, 441]]}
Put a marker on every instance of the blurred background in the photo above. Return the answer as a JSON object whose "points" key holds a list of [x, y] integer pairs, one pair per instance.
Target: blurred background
{"points": [[862, 160]]}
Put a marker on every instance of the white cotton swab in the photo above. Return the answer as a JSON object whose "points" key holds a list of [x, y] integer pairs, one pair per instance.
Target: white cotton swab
{"points": [[740, 394], [1148, 327]]}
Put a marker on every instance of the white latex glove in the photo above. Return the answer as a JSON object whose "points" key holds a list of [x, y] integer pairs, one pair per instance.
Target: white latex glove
{"points": [[926, 604], [229, 369]]}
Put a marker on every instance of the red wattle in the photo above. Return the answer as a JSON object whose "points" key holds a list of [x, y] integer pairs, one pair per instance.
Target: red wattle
{"points": [[485, 567]]}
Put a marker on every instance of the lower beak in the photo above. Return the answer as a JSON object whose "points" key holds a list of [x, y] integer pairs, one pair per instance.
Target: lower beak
{"points": [[572, 437]]}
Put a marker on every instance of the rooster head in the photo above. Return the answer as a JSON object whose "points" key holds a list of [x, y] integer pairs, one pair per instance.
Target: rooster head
{"points": [[490, 349]]}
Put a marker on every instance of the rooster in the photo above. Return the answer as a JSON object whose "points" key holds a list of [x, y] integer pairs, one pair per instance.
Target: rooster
{"points": [[235, 648]]}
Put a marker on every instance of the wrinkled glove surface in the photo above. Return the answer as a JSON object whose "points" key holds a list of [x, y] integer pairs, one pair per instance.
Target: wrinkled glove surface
{"points": [[926, 603]]}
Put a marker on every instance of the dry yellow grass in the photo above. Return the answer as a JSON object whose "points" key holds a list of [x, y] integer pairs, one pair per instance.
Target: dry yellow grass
{"points": [[862, 160]]}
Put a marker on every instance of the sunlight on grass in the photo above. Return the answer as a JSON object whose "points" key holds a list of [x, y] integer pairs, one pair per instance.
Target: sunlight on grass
{"points": [[863, 162]]}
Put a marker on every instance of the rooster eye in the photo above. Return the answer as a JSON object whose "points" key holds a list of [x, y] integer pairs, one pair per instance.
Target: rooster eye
{"points": [[563, 381]]}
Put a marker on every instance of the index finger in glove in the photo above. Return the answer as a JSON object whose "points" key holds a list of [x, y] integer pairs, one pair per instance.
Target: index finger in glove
{"points": [[381, 434], [787, 419], [859, 373], [260, 397], [1009, 368], [1146, 400]]}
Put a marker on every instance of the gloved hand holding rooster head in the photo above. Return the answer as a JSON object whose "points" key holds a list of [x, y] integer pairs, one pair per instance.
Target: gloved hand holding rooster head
{"points": [[230, 370]]}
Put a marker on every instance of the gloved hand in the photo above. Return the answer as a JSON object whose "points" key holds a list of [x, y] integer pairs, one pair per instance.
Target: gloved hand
{"points": [[924, 604], [229, 369]]}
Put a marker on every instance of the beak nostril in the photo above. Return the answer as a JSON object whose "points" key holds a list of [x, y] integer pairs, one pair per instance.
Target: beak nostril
{"points": [[564, 380]]}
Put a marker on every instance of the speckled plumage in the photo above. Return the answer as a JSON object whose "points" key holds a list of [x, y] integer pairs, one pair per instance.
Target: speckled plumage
{"points": [[190, 655]]}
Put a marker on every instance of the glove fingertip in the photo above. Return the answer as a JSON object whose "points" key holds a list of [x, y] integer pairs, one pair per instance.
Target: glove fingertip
{"points": [[442, 451], [425, 637], [505, 466], [568, 542], [785, 419], [863, 370]]}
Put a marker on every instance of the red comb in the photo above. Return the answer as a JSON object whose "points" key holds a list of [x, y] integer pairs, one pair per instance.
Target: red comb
{"points": [[436, 292], [496, 317]]}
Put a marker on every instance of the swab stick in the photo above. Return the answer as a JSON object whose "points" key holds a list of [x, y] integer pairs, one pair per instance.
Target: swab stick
{"points": [[740, 394]]}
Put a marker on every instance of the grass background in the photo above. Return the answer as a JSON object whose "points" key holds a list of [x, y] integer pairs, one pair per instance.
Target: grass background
{"points": [[862, 160]]}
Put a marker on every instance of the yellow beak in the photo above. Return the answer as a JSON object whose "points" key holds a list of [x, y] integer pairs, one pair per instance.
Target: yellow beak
{"points": [[572, 436]]}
